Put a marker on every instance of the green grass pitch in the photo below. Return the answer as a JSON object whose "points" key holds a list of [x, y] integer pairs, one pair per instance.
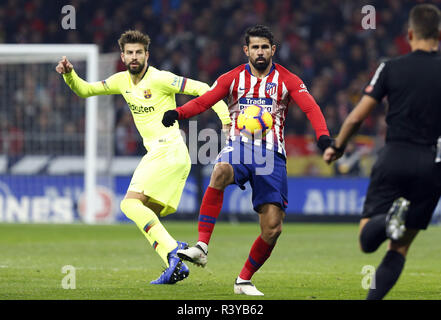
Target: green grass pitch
{"points": [[310, 261]]}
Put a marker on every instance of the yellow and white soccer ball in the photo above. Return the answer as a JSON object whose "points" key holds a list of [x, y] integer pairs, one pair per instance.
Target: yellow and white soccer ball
{"points": [[254, 121]]}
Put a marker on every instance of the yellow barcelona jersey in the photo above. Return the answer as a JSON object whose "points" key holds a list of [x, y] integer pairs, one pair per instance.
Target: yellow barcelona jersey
{"points": [[149, 99]]}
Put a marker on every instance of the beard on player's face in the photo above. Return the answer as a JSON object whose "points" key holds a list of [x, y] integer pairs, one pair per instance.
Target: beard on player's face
{"points": [[260, 63], [135, 67]]}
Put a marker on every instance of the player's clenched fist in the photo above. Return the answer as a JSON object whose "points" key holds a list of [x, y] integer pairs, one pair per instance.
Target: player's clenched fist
{"points": [[169, 118], [64, 66]]}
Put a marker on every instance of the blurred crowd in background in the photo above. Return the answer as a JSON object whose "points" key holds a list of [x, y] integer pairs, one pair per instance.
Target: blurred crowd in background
{"points": [[323, 42]]}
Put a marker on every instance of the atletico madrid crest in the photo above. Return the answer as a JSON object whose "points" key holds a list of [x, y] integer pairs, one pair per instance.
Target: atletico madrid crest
{"points": [[147, 94], [271, 88]]}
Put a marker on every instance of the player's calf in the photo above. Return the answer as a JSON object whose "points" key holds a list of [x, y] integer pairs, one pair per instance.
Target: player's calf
{"points": [[222, 176], [271, 220], [271, 234], [387, 274]]}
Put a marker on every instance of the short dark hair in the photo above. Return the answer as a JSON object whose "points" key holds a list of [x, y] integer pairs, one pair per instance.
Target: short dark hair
{"points": [[425, 20], [134, 36], [259, 31]]}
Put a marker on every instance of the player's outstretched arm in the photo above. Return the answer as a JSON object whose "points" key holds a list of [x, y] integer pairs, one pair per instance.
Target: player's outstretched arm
{"points": [[299, 93], [198, 105], [83, 88], [350, 126], [194, 87], [313, 112]]}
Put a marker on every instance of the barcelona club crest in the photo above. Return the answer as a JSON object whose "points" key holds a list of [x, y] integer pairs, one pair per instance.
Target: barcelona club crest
{"points": [[147, 94], [271, 88]]}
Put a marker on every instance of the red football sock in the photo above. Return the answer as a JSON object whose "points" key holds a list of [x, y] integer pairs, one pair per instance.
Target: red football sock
{"points": [[260, 251], [210, 208]]}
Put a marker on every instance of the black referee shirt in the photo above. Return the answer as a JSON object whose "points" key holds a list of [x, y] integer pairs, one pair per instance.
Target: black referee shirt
{"points": [[412, 84]]}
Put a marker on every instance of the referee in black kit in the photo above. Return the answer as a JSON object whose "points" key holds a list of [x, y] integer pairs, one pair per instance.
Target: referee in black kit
{"points": [[405, 183]]}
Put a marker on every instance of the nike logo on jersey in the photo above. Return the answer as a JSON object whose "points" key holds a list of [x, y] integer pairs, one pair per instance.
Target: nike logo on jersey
{"points": [[243, 89], [128, 91]]}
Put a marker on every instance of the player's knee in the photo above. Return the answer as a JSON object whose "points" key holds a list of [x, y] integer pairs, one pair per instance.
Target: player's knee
{"points": [[222, 176], [276, 232], [402, 249], [402, 246], [126, 206], [365, 248], [272, 233]]}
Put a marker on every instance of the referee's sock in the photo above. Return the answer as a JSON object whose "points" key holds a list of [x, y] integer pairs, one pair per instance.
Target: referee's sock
{"points": [[373, 233], [150, 226], [210, 208], [387, 275]]}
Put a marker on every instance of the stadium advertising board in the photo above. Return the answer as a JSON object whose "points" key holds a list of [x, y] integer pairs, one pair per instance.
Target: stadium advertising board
{"points": [[60, 199]]}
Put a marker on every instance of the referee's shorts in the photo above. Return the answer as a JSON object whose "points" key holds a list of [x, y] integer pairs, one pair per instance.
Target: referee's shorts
{"points": [[162, 173], [409, 171]]}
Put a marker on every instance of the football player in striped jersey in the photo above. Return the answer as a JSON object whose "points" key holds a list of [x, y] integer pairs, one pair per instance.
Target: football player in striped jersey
{"points": [[271, 86]]}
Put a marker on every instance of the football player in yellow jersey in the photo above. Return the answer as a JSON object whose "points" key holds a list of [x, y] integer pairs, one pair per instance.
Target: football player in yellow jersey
{"points": [[158, 181]]}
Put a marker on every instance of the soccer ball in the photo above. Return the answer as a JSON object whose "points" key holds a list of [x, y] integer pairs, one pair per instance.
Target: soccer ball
{"points": [[254, 121]]}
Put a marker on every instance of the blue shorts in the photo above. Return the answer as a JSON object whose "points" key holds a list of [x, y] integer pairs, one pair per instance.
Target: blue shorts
{"points": [[264, 169]]}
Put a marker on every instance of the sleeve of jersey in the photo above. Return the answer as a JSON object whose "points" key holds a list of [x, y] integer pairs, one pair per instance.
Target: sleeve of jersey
{"points": [[212, 97], [306, 102], [85, 89], [194, 87], [169, 82], [377, 87]]}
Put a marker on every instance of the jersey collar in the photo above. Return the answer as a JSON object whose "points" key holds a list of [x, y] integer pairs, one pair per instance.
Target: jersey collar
{"points": [[142, 78], [145, 72], [433, 52]]}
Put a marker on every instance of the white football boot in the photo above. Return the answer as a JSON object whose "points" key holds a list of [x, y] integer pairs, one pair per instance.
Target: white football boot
{"points": [[396, 218], [246, 288], [196, 255]]}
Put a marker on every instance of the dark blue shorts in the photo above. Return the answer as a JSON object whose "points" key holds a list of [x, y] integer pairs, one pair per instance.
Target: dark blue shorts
{"points": [[264, 169]]}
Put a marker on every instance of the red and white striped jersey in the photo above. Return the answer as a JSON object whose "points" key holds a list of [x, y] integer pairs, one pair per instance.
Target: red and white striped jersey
{"points": [[274, 92]]}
